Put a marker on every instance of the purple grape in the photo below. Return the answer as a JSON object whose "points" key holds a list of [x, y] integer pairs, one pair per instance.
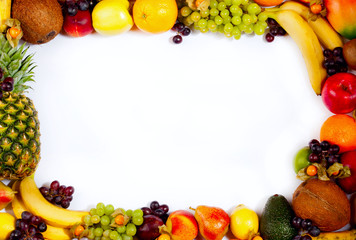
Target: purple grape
{"points": [[314, 231], [337, 52], [32, 230], [58, 199], [1, 73], [158, 212], [26, 216], [23, 226], [67, 198], [35, 220], [7, 86], [281, 31], [72, 10], [272, 22], [331, 71], [42, 227], [146, 211], [306, 223], [44, 191], [334, 149], [61, 189], [9, 80], [306, 237], [65, 203], [313, 157], [312, 142], [154, 205], [324, 145], [177, 39], [186, 31], [328, 53], [15, 234], [178, 27], [54, 185], [269, 37], [38, 236], [83, 5], [164, 208], [296, 222], [274, 31], [69, 191]]}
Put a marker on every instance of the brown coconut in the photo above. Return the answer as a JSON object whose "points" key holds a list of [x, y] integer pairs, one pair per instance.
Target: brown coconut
{"points": [[41, 20], [323, 202]]}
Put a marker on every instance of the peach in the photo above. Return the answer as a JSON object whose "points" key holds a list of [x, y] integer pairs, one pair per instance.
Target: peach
{"points": [[182, 225]]}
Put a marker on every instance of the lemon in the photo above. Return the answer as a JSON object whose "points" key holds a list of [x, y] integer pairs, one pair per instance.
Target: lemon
{"points": [[111, 17], [243, 222], [7, 225]]}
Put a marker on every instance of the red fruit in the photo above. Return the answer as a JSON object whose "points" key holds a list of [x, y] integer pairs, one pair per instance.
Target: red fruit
{"points": [[182, 225], [6, 195], [79, 25], [339, 93], [349, 184], [341, 15]]}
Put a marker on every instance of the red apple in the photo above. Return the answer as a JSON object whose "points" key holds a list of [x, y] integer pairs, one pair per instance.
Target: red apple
{"points": [[349, 184], [182, 225], [339, 93], [79, 25]]}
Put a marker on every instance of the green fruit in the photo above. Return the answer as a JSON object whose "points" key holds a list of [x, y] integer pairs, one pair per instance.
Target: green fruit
{"points": [[301, 159], [275, 221]]}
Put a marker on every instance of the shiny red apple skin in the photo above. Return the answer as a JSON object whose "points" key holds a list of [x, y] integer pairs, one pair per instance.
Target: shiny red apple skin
{"points": [[339, 93], [349, 184], [79, 25]]}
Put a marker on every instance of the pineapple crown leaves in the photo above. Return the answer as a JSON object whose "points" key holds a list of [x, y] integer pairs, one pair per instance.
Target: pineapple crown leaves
{"points": [[14, 64]]}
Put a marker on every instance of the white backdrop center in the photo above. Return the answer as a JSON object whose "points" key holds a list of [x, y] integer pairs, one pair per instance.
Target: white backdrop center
{"points": [[133, 118]]}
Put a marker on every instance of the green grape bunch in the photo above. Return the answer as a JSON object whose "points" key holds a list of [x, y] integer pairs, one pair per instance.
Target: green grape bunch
{"points": [[104, 222], [230, 17]]}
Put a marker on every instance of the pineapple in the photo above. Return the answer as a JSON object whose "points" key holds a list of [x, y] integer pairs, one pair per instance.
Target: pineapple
{"points": [[19, 125]]}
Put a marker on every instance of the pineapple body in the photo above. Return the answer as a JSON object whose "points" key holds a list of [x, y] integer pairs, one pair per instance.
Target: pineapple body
{"points": [[19, 136]]}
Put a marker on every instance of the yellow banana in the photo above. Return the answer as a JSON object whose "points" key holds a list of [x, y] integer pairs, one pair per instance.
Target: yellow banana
{"points": [[7, 225], [52, 233], [344, 235], [38, 205], [5, 11], [307, 42], [326, 34]]}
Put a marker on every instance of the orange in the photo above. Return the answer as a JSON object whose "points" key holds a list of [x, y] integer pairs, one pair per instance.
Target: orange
{"points": [[340, 129], [268, 3], [155, 16]]}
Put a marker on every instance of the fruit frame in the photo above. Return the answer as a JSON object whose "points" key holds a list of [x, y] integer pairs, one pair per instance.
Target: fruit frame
{"points": [[133, 118]]}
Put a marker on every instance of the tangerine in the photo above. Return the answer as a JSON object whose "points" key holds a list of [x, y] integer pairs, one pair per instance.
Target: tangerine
{"points": [[155, 16], [340, 129], [268, 3]]}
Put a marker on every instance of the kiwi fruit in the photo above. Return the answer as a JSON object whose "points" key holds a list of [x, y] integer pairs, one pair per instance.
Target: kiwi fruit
{"points": [[41, 20], [349, 52]]}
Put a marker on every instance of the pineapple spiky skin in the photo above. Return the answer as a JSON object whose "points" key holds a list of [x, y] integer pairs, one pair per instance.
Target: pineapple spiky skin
{"points": [[19, 126], [19, 137]]}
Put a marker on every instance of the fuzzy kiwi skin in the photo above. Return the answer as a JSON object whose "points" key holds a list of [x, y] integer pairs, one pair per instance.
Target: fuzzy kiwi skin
{"points": [[41, 20], [349, 53]]}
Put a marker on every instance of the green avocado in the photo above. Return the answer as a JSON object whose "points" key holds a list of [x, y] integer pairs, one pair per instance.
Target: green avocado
{"points": [[276, 219]]}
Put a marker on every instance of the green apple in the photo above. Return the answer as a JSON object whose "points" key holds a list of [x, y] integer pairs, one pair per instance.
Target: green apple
{"points": [[301, 159], [111, 17]]}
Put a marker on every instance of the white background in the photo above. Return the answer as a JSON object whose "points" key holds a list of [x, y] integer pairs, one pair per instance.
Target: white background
{"points": [[134, 118]]}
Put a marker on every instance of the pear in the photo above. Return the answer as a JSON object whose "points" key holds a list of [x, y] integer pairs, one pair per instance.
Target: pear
{"points": [[6, 195], [213, 222]]}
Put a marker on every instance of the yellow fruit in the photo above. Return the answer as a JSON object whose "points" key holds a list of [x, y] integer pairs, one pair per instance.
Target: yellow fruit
{"points": [[243, 222], [155, 16], [7, 225], [111, 17], [51, 214]]}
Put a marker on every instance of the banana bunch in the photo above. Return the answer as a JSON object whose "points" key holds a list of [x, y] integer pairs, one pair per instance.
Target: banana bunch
{"points": [[5, 12], [58, 220], [293, 17]]}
